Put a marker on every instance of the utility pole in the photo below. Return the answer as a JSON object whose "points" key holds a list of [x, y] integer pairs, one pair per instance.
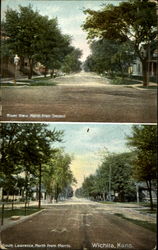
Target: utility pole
{"points": [[110, 182], [40, 177]]}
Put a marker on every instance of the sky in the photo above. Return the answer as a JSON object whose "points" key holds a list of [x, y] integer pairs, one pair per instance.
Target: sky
{"points": [[69, 14], [87, 147]]}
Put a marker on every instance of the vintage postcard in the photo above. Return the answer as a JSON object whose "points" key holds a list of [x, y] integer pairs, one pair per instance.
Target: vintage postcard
{"points": [[79, 61], [78, 186], [78, 124]]}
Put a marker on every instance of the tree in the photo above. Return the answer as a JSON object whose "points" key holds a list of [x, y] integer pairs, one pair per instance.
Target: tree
{"points": [[134, 21], [25, 148], [89, 187], [52, 45], [22, 29], [110, 56], [58, 175], [38, 39], [114, 174], [144, 143], [10, 147], [72, 62]]}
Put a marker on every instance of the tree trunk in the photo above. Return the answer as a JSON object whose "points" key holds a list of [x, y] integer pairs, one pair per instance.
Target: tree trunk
{"points": [[26, 186], [150, 194], [121, 196], [31, 68], [145, 73], [45, 72], [2, 195], [7, 195], [52, 73], [13, 203], [22, 63], [39, 196], [56, 194], [103, 196], [51, 198]]}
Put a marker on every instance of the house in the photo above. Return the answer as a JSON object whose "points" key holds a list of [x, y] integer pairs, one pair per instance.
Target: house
{"points": [[136, 68]]}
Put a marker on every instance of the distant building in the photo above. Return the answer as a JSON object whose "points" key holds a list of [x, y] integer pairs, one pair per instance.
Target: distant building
{"points": [[144, 193], [136, 68]]}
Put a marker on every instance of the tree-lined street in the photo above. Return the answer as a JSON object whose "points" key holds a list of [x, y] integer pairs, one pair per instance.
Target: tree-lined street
{"points": [[79, 97], [79, 224]]}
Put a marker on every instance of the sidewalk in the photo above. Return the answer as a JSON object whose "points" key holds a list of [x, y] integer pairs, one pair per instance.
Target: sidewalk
{"points": [[8, 222], [131, 211], [140, 86]]}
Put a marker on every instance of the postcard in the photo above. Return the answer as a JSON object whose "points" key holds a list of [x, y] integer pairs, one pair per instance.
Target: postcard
{"points": [[78, 124], [79, 61], [78, 186]]}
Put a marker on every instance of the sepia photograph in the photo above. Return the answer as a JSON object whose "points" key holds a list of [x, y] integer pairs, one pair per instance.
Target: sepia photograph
{"points": [[78, 186], [79, 61]]}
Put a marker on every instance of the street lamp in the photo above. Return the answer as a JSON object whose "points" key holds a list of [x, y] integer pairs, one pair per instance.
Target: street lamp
{"points": [[16, 61]]}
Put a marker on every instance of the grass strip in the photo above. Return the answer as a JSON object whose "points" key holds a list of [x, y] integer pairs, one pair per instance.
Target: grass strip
{"points": [[42, 83], [123, 81], [106, 202], [19, 211], [31, 83], [148, 225], [147, 211], [148, 87]]}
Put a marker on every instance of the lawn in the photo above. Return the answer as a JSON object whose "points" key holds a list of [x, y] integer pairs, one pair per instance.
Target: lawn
{"points": [[37, 81], [148, 225], [124, 81], [19, 211]]}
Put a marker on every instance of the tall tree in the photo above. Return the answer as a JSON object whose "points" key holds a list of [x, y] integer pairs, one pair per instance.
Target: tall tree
{"points": [[22, 29], [58, 175], [37, 38], [110, 56], [134, 21], [116, 171], [26, 147], [144, 143], [72, 62], [52, 46], [114, 174]]}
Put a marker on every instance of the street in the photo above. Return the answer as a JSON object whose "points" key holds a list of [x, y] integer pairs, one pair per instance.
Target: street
{"points": [[82, 97], [78, 224]]}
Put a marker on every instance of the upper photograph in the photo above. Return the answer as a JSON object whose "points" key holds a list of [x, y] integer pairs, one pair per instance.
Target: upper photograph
{"points": [[79, 61]]}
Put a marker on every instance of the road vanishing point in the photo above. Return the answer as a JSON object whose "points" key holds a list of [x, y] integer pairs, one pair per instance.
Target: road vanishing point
{"points": [[78, 224], [81, 97]]}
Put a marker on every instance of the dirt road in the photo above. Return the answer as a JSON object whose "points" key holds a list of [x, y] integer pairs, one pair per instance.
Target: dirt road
{"points": [[82, 97], [78, 225]]}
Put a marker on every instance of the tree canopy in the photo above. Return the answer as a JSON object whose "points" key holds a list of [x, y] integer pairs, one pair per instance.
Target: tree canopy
{"points": [[57, 174], [110, 56], [71, 62], [144, 143], [112, 176], [36, 38], [134, 21], [28, 148]]}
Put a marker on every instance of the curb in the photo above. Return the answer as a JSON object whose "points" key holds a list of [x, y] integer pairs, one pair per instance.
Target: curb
{"points": [[4, 227]]}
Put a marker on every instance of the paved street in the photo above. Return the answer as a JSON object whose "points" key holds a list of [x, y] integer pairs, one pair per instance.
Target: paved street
{"points": [[78, 224], [82, 97]]}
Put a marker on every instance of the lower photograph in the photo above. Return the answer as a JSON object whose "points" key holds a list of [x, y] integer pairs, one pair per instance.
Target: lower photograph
{"points": [[78, 186]]}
